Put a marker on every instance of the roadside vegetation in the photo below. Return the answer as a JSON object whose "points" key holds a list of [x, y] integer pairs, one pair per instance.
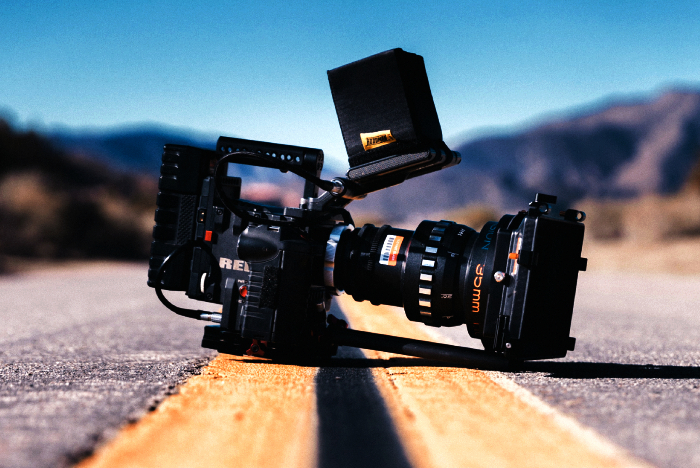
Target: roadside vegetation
{"points": [[58, 206]]}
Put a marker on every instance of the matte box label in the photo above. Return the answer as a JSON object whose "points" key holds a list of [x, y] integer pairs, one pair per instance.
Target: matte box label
{"points": [[376, 139]]}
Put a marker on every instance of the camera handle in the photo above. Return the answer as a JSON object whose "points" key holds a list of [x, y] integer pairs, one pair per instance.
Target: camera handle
{"points": [[335, 191]]}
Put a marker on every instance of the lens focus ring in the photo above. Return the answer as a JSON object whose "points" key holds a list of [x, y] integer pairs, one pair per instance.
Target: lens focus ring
{"points": [[428, 270], [431, 276]]}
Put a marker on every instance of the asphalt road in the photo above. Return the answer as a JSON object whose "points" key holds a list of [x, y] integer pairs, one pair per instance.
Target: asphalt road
{"points": [[635, 373], [83, 351], [355, 428]]}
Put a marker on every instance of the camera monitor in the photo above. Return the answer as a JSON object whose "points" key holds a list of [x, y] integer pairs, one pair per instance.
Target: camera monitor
{"points": [[388, 119]]}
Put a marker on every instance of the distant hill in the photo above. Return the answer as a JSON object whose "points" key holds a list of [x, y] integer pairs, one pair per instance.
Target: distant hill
{"points": [[623, 150], [133, 148], [619, 151], [138, 149], [54, 204]]}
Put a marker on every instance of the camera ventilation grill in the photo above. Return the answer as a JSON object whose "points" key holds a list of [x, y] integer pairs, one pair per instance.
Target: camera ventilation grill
{"points": [[391, 163], [185, 223]]}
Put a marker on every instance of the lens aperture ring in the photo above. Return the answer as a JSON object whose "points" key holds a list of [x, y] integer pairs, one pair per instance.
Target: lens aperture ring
{"points": [[429, 271], [431, 280]]}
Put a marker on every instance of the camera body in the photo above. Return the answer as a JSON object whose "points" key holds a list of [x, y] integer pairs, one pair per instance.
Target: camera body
{"points": [[274, 270], [244, 267]]}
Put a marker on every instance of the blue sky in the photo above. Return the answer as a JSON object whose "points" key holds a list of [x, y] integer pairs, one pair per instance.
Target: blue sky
{"points": [[258, 69]]}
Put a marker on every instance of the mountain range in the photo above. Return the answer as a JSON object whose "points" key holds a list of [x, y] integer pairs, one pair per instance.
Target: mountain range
{"points": [[136, 148], [622, 149], [75, 194]]}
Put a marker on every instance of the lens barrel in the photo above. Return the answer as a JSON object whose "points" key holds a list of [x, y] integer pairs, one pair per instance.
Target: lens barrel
{"points": [[432, 273], [370, 264], [513, 284], [440, 273]]}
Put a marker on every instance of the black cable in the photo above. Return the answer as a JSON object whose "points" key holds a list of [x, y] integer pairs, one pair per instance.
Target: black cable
{"points": [[235, 207], [326, 185], [190, 313]]}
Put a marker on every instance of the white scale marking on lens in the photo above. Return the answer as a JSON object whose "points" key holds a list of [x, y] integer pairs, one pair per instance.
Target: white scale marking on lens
{"points": [[424, 302], [428, 263], [424, 290], [431, 250], [426, 277]]}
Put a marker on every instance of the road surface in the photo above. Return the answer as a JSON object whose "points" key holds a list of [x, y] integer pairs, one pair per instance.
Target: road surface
{"points": [[86, 351], [82, 351]]}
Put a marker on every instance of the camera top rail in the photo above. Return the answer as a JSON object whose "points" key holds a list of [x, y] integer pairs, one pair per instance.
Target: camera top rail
{"points": [[283, 157]]}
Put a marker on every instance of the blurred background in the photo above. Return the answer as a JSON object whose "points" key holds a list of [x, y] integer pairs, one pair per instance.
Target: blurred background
{"points": [[597, 102]]}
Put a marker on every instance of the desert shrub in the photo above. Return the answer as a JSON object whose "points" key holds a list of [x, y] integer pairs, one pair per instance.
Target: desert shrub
{"points": [[647, 219]]}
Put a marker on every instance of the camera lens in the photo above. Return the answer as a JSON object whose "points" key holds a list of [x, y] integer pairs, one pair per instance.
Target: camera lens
{"points": [[440, 273]]}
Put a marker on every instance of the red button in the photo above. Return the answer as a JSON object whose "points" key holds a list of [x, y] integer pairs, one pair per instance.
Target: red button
{"points": [[207, 236]]}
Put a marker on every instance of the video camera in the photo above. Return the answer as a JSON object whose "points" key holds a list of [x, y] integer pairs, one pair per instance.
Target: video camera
{"points": [[275, 270]]}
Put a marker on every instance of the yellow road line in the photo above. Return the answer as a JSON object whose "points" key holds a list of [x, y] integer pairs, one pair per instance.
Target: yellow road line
{"points": [[238, 412], [249, 412], [458, 417]]}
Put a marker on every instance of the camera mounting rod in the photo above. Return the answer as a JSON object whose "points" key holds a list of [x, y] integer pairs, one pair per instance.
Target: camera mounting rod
{"points": [[423, 349]]}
